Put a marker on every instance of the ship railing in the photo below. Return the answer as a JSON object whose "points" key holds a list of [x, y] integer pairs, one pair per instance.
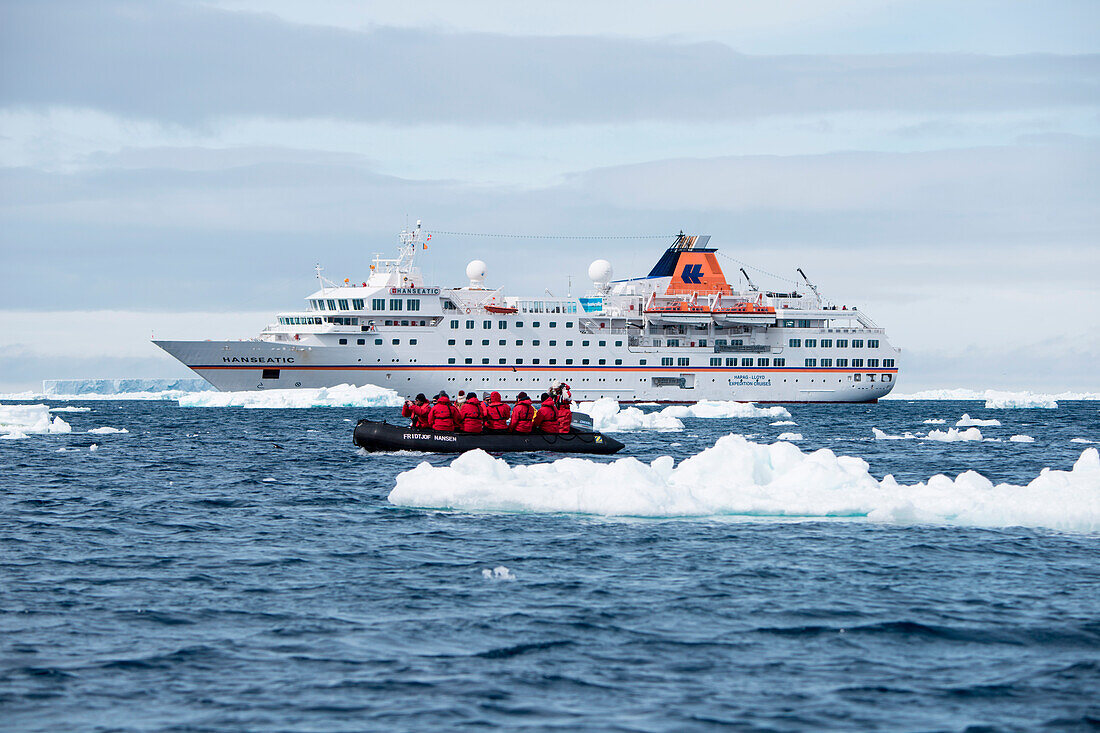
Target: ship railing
{"points": [[741, 348], [854, 330]]}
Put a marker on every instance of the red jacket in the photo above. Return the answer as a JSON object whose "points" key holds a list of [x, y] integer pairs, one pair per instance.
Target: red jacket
{"points": [[472, 415], [497, 415], [418, 413], [565, 418], [546, 419], [522, 416], [443, 415]]}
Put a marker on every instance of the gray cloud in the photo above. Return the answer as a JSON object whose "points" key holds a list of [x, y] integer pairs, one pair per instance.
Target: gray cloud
{"points": [[189, 64]]}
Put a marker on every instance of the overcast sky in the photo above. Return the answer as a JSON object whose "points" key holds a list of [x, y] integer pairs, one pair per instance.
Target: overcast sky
{"points": [[177, 168]]}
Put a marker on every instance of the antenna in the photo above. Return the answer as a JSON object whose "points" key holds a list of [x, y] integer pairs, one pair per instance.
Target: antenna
{"points": [[320, 279], [749, 280], [809, 284]]}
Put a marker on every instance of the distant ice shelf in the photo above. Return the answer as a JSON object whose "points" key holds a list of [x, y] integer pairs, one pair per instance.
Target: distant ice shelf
{"points": [[112, 387]]}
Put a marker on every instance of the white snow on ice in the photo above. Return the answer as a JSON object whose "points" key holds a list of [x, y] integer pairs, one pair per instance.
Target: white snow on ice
{"points": [[739, 477], [1021, 439], [498, 573], [610, 417], [342, 395], [954, 435], [966, 422], [19, 421]]}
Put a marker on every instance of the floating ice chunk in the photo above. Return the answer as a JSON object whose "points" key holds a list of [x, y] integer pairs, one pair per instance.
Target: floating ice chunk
{"points": [[342, 395], [790, 436], [723, 408], [70, 409], [1021, 439], [954, 435], [935, 421], [608, 416], [882, 435], [107, 431], [19, 421], [783, 422], [1083, 440], [1003, 400], [268, 480], [93, 447], [739, 477], [966, 421], [498, 573]]}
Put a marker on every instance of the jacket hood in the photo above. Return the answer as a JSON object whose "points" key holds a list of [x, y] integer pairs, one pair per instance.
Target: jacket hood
{"points": [[494, 396]]}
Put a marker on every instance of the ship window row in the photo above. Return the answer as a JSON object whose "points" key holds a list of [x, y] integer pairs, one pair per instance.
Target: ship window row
{"points": [[360, 304], [546, 306], [747, 361], [828, 343], [502, 325], [536, 361], [299, 320], [534, 342]]}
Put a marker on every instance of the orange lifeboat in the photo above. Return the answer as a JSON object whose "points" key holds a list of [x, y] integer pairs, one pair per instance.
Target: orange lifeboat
{"points": [[499, 309]]}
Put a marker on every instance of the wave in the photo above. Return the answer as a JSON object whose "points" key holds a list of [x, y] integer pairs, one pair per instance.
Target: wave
{"points": [[741, 478]]}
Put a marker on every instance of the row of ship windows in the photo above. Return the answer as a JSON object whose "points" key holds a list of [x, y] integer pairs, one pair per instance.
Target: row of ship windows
{"points": [[517, 324], [828, 343], [519, 342], [359, 304], [857, 363]]}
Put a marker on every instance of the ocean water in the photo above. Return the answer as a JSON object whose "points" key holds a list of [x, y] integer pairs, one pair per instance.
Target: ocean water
{"points": [[228, 569]]}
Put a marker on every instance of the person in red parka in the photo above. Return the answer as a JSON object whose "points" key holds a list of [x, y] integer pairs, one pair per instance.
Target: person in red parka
{"points": [[417, 410], [523, 414], [565, 416], [472, 414], [546, 419], [496, 414], [443, 415]]}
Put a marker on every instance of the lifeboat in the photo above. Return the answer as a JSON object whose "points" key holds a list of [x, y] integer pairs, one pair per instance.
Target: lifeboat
{"points": [[743, 311], [500, 309], [677, 311]]}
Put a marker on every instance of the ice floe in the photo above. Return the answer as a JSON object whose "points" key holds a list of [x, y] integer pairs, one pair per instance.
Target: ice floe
{"points": [[20, 421], [935, 421], [996, 398], [609, 417], [883, 435], [1021, 439], [723, 408], [738, 477], [498, 573], [107, 431], [953, 435], [70, 409], [790, 436], [966, 422], [783, 422], [1083, 440], [341, 395]]}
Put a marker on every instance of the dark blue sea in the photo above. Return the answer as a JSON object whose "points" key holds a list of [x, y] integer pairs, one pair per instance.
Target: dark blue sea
{"points": [[227, 569]]}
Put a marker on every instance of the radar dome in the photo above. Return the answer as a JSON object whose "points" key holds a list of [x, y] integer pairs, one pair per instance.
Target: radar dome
{"points": [[600, 271], [476, 272]]}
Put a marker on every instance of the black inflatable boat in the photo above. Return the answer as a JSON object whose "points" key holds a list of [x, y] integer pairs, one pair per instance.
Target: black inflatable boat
{"points": [[381, 436]]}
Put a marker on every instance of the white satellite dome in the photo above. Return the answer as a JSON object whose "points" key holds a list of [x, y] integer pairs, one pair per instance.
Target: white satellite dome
{"points": [[600, 272], [476, 272]]}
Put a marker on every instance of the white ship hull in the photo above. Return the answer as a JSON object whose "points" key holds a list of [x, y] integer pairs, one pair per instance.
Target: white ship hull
{"points": [[241, 366]]}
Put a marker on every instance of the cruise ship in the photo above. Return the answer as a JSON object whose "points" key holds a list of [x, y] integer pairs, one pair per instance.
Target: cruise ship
{"points": [[679, 334]]}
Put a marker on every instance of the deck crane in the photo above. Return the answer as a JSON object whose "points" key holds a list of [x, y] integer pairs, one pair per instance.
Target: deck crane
{"points": [[808, 283], [748, 279]]}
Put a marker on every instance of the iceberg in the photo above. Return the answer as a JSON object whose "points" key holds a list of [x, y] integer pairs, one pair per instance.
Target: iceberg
{"points": [[20, 421], [996, 399], [342, 395], [723, 408], [609, 417], [966, 422], [741, 478], [113, 387]]}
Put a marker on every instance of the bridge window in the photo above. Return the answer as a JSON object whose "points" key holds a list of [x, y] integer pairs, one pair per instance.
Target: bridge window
{"points": [[794, 343], [811, 362], [449, 306], [412, 304], [395, 304], [780, 362], [331, 304], [378, 304], [343, 304], [357, 304], [320, 305]]}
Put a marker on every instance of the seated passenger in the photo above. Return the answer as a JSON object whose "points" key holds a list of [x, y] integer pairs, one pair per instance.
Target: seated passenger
{"points": [[546, 419], [496, 414], [472, 414], [565, 416], [418, 410], [523, 414], [443, 415]]}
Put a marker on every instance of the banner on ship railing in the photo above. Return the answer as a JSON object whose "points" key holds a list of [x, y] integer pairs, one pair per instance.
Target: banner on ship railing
{"points": [[414, 291]]}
